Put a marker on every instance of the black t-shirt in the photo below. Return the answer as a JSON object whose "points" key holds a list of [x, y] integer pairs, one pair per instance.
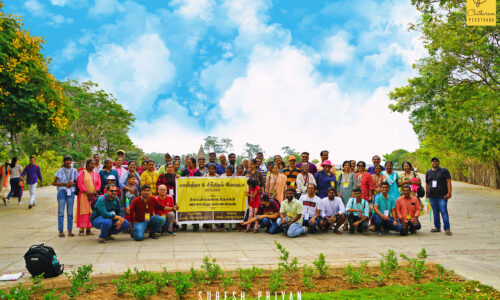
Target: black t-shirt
{"points": [[439, 189], [269, 210]]}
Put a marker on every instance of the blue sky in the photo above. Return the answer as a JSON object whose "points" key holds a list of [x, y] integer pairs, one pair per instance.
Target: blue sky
{"points": [[312, 75]]}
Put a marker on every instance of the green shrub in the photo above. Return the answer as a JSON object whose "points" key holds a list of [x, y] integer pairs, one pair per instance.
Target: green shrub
{"points": [[142, 290], [182, 284], [212, 269], [80, 281], [389, 263], [276, 282], [416, 266], [307, 275], [51, 295], [356, 276], [284, 264], [227, 281], [196, 276], [321, 266], [247, 276]]}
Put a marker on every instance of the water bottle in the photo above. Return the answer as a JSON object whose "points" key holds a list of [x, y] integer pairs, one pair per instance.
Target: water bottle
{"points": [[127, 202], [55, 262]]}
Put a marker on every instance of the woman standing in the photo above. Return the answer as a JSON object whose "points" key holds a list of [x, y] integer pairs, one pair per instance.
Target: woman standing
{"points": [[132, 169], [240, 170], [4, 182], [89, 183], [409, 177], [105, 172], [16, 188], [278, 160], [120, 169], [65, 181], [347, 182], [392, 179], [365, 182], [150, 177], [378, 178], [276, 184], [252, 172]]}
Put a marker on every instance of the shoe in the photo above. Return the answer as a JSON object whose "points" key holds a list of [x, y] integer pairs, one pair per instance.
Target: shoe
{"points": [[154, 236], [90, 233], [71, 234], [110, 238], [61, 234], [306, 229], [101, 241], [171, 233], [30, 206], [448, 232], [379, 233]]}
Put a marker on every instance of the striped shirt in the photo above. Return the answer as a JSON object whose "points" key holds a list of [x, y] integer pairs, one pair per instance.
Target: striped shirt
{"points": [[291, 176]]}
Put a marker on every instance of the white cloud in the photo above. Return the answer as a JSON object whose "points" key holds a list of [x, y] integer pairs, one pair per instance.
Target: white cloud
{"points": [[191, 9], [337, 50], [59, 2], [105, 7], [135, 73], [34, 7], [59, 19]]}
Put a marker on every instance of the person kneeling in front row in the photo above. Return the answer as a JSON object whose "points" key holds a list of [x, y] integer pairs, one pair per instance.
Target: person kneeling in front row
{"points": [[142, 211], [332, 211], [108, 215], [408, 210], [169, 214], [357, 212], [267, 214], [384, 207], [291, 215]]}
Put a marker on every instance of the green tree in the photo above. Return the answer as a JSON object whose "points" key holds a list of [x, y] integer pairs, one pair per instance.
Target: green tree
{"points": [[287, 151], [251, 150], [397, 157], [214, 144], [29, 93], [454, 101]]}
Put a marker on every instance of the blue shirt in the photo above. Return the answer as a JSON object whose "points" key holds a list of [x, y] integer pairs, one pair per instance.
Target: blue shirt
{"points": [[33, 174], [363, 206], [324, 182], [65, 175], [385, 204], [104, 176], [219, 169], [106, 208]]}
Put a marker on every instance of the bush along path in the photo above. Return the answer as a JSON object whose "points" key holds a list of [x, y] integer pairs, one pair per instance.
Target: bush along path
{"points": [[412, 278]]}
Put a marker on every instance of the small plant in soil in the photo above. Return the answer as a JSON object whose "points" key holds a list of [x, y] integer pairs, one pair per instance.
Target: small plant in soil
{"points": [[307, 275], [182, 284], [284, 264], [161, 280], [80, 281], [227, 281], [443, 275], [416, 266], [17, 292], [356, 276], [276, 282], [389, 263], [321, 266], [212, 269], [247, 276], [51, 295], [196, 277], [141, 291], [143, 276]]}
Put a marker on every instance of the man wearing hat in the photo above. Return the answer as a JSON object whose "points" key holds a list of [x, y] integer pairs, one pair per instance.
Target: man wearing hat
{"points": [[291, 173], [121, 153], [438, 189], [325, 179]]}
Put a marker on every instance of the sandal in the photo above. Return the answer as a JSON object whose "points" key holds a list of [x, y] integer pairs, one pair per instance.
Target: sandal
{"points": [[90, 233], [61, 234], [435, 230], [71, 234], [110, 238], [81, 233], [102, 241], [447, 232], [255, 231]]}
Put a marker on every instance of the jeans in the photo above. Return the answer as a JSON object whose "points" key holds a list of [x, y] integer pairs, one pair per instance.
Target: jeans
{"points": [[409, 227], [312, 227], [386, 224], [351, 218], [32, 188], [270, 224], [295, 229], [440, 205], [108, 226], [63, 200], [154, 224], [169, 223], [14, 186]]}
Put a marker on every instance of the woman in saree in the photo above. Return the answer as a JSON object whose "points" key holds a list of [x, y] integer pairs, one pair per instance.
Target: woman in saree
{"points": [[378, 178], [276, 184], [392, 179], [120, 169], [346, 183], [89, 183]]}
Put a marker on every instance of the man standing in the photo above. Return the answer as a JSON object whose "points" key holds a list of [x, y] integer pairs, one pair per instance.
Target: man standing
{"points": [[169, 213], [291, 215], [246, 162], [232, 160], [357, 212], [143, 216], [305, 160], [291, 173], [202, 165], [408, 210], [34, 174], [311, 207], [332, 212], [267, 214], [163, 169], [438, 189], [98, 165], [324, 157], [108, 215], [221, 169], [263, 167], [384, 211], [376, 161]]}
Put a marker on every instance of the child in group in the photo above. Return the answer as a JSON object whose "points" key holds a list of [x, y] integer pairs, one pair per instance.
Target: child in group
{"points": [[130, 192], [111, 180], [253, 202]]}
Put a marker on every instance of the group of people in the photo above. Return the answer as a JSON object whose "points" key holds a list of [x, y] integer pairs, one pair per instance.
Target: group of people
{"points": [[12, 179], [295, 199]]}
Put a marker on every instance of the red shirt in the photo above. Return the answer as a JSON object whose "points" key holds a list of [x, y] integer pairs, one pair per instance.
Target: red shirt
{"points": [[254, 202], [168, 202], [409, 206], [138, 208]]}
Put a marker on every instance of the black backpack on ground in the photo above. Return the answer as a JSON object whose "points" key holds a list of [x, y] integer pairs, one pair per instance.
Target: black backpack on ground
{"points": [[42, 259]]}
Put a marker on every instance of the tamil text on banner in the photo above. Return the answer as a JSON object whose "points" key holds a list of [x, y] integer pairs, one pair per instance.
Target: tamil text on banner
{"points": [[211, 200]]}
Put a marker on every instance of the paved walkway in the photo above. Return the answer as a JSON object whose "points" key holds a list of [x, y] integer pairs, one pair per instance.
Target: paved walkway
{"points": [[473, 251]]}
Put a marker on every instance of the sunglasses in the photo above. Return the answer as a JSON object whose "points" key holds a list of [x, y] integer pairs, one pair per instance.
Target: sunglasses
{"points": [[112, 191]]}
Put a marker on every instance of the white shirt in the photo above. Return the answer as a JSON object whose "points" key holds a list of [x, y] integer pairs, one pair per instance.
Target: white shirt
{"points": [[303, 182], [330, 208], [263, 169], [310, 205]]}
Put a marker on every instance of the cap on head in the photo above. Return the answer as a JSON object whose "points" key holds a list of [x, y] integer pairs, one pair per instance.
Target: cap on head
{"points": [[111, 177], [435, 159], [326, 163], [292, 157], [120, 152]]}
